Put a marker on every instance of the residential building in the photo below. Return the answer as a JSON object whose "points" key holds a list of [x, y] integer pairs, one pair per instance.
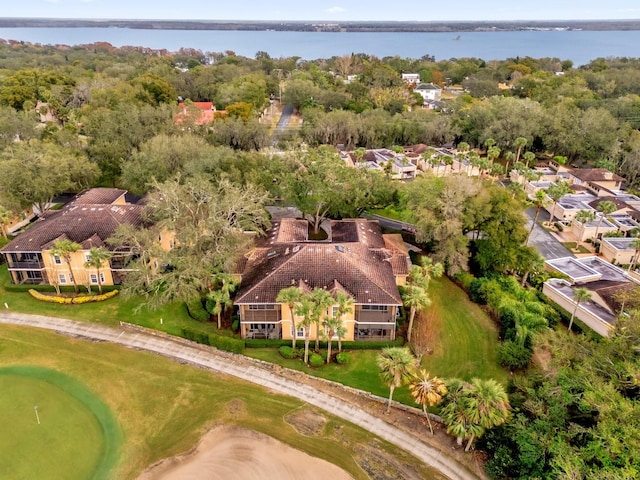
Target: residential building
{"points": [[429, 91], [399, 166], [411, 78], [200, 113], [618, 250], [603, 281], [89, 220], [356, 259]]}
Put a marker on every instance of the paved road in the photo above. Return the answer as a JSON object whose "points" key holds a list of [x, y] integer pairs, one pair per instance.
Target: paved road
{"points": [[285, 116], [251, 371], [548, 246]]}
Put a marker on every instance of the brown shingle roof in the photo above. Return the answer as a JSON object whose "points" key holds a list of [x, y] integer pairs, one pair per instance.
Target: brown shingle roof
{"points": [[619, 203], [81, 223], [99, 196], [361, 267], [595, 175]]}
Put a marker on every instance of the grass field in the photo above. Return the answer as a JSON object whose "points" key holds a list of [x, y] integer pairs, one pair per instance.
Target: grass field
{"points": [[464, 342], [57, 424], [163, 407]]}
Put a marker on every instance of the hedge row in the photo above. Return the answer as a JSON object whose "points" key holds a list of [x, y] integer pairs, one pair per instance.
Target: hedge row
{"points": [[10, 287], [361, 345], [72, 300], [227, 344], [196, 310]]}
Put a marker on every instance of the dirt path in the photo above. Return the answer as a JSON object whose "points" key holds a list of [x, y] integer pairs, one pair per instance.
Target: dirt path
{"points": [[403, 427]]}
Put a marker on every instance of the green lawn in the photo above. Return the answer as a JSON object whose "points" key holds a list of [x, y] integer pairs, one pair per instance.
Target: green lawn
{"points": [[465, 344], [163, 407], [40, 408], [395, 213]]}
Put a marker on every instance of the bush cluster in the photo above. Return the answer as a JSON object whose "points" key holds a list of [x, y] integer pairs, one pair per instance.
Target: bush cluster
{"points": [[342, 358], [288, 352], [72, 300], [316, 360], [196, 310], [221, 343]]}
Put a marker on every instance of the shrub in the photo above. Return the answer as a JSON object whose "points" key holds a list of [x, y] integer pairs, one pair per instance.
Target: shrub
{"points": [[559, 226], [264, 343], [196, 310], [227, 344], [72, 300], [514, 355], [288, 352], [342, 358], [464, 279], [316, 360], [235, 323]]}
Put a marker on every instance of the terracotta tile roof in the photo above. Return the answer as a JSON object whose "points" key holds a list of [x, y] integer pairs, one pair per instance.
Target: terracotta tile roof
{"points": [[89, 225], [362, 267], [291, 230], [102, 196], [595, 175]]}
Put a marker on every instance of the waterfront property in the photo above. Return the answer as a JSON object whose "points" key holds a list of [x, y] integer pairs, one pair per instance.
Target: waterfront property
{"points": [[356, 259], [89, 220]]}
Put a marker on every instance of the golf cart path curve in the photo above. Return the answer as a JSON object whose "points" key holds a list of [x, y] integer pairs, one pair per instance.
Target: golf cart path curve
{"points": [[250, 371]]}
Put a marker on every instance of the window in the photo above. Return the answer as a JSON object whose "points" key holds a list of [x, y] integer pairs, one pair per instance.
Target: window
{"points": [[262, 307], [335, 311], [300, 332], [62, 279], [94, 278], [87, 257], [380, 308], [56, 259]]}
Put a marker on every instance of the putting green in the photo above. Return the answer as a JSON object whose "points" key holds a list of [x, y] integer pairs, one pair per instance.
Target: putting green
{"points": [[77, 437]]}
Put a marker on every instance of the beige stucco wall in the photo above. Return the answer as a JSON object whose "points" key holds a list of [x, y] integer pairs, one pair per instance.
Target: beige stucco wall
{"points": [[81, 274]]}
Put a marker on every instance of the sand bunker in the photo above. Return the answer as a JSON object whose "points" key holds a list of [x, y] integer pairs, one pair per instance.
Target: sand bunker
{"points": [[241, 454]]}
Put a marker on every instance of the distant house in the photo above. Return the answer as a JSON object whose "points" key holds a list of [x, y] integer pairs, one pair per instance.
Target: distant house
{"points": [[429, 91], [356, 259], [201, 112], [90, 219], [600, 278], [399, 165], [411, 78], [600, 181]]}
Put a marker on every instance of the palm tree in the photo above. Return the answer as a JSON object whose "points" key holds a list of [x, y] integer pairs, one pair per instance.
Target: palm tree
{"points": [[220, 297], [427, 391], [333, 327], [428, 270], [509, 157], [396, 366], [487, 404], [456, 414], [64, 249], [5, 216], [97, 257], [519, 143], [493, 153], [321, 301], [538, 202], [579, 295], [605, 207], [463, 148], [345, 305], [555, 192], [635, 244], [415, 298], [304, 308], [528, 158], [290, 296]]}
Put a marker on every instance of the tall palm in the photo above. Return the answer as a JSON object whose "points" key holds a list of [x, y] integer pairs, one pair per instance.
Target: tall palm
{"points": [[528, 157], [97, 257], [509, 157], [65, 249], [635, 244], [538, 202], [519, 143], [396, 365], [290, 296], [5, 216], [219, 297], [333, 327], [605, 207], [456, 413], [579, 295], [304, 308], [487, 404], [321, 301], [427, 391], [555, 192], [414, 297], [463, 149], [422, 273], [345, 305]]}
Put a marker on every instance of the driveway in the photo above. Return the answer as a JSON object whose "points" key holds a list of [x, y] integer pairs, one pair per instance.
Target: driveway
{"points": [[547, 245], [252, 371]]}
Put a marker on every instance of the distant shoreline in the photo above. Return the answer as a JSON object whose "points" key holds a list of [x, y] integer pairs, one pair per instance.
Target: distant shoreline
{"points": [[327, 26]]}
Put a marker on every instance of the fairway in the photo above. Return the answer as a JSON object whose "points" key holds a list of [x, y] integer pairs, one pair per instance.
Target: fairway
{"points": [[53, 427]]}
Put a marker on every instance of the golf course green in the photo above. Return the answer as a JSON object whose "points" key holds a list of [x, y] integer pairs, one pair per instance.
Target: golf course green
{"points": [[53, 427]]}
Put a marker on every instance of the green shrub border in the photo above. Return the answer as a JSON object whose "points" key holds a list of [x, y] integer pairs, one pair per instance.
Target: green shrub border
{"points": [[360, 345], [227, 344], [80, 299]]}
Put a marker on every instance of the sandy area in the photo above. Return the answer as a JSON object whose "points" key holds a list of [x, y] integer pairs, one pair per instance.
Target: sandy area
{"points": [[242, 454]]}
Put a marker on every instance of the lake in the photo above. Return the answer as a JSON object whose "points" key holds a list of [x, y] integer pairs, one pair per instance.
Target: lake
{"points": [[578, 46]]}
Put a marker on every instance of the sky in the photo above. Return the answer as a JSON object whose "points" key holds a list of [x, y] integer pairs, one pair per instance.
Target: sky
{"points": [[332, 10]]}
